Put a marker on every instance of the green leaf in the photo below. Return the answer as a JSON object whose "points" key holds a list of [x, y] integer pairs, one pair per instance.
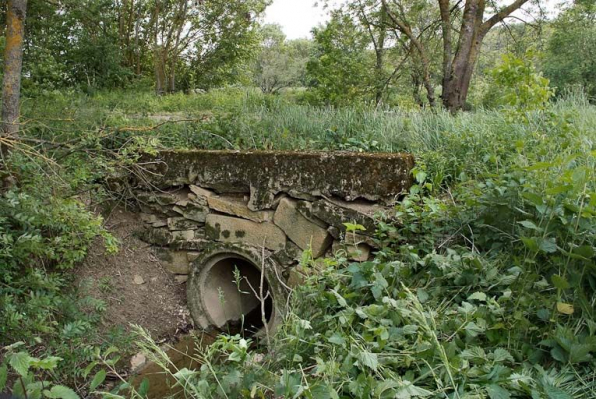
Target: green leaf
{"points": [[88, 369], [585, 251], [99, 378], [543, 314], [369, 359], [501, 355], [60, 392], [3, 376], [337, 339], [533, 198], [408, 390], [496, 392], [540, 166], [144, 387], [20, 362], [559, 189], [422, 295], [560, 282], [49, 363], [558, 354], [531, 243], [352, 227], [420, 176], [580, 353], [530, 225], [479, 296], [547, 245], [340, 300], [553, 392], [475, 353]]}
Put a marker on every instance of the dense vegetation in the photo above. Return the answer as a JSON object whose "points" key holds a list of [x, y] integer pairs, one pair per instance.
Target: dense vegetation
{"points": [[484, 286]]}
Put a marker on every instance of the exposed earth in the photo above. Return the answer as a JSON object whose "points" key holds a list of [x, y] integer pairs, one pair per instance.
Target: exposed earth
{"points": [[133, 283]]}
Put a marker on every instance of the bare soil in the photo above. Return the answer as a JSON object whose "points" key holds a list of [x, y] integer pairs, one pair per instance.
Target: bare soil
{"points": [[133, 283]]}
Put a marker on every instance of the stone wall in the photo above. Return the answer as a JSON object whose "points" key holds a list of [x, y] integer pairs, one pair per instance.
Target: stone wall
{"points": [[277, 204]]}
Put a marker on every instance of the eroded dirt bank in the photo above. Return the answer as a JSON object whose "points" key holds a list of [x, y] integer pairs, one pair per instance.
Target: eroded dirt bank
{"points": [[133, 283]]}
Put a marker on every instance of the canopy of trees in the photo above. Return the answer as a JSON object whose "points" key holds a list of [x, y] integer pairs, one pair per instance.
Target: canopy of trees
{"points": [[426, 52]]}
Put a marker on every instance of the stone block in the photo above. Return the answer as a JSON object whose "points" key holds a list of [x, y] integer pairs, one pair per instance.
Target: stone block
{"points": [[359, 252], [237, 206], [296, 277], [160, 236], [183, 235], [148, 218], [289, 255], [193, 211], [300, 230], [160, 223], [357, 239], [230, 229], [201, 194], [180, 223], [183, 239], [174, 261], [305, 208], [339, 212], [157, 210]]}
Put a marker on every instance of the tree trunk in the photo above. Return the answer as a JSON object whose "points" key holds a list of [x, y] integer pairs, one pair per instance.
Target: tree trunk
{"points": [[13, 65], [137, 49], [456, 80], [457, 73], [161, 84], [416, 90], [380, 53], [172, 79]]}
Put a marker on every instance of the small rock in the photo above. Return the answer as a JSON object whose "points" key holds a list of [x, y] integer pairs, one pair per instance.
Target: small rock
{"points": [[139, 280], [359, 252], [181, 279], [137, 361], [159, 223]]}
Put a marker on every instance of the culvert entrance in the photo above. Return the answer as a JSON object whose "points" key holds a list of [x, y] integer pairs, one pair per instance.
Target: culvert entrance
{"points": [[224, 291]]}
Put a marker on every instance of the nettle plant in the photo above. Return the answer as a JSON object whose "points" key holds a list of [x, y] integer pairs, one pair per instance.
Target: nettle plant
{"points": [[35, 377]]}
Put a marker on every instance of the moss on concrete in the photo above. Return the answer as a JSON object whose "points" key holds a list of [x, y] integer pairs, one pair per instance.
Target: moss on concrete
{"points": [[264, 174]]}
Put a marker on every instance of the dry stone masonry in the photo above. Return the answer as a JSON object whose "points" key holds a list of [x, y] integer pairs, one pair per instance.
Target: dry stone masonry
{"points": [[207, 212]]}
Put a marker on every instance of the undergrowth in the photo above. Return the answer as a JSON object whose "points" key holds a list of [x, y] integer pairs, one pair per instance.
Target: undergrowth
{"points": [[483, 287]]}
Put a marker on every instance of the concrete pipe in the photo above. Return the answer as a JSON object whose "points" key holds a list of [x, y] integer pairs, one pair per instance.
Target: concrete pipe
{"points": [[224, 288]]}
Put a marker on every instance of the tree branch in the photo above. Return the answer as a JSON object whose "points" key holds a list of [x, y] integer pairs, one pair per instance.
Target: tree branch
{"points": [[501, 15]]}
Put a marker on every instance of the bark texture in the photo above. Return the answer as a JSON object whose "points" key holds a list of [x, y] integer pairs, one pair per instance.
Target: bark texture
{"points": [[13, 64], [459, 66]]}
